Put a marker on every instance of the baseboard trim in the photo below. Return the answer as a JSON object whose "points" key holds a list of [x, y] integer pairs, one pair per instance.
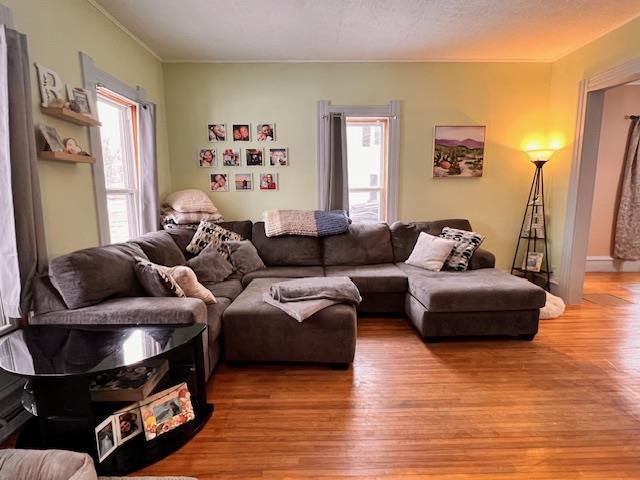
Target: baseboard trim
{"points": [[610, 264]]}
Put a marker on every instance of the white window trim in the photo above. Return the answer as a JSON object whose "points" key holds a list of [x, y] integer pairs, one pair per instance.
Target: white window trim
{"points": [[92, 77], [392, 111]]}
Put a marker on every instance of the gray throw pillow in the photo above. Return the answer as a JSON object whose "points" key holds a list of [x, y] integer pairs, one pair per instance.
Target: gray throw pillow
{"points": [[155, 281], [244, 256], [210, 266]]}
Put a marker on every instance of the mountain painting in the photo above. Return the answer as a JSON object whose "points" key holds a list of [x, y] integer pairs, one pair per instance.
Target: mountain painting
{"points": [[458, 151]]}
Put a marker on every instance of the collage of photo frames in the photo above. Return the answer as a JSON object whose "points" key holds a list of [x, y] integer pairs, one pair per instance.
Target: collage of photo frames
{"points": [[232, 156]]}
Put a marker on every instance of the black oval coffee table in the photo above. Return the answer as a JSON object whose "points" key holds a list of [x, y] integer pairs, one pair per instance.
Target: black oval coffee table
{"points": [[60, 362]]}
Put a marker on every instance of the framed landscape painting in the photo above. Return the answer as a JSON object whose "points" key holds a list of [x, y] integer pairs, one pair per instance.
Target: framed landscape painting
{"points": [[458, 151]]}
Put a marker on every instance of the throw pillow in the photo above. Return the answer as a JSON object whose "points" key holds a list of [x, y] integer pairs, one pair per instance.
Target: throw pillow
{"points": [[466, 244], [190, 201], [244, 256], [209, 266], [430, 252], [155, 280], [186, 278], [210, 233]]}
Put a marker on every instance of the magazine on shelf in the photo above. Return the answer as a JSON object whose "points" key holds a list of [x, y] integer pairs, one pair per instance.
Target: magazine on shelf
{"points": [[130, 384]]}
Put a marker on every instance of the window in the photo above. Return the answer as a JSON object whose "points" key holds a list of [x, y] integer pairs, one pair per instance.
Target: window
{"points": [[368, 168], [119, 140]]}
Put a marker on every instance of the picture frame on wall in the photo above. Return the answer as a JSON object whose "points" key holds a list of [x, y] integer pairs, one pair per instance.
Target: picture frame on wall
{"points": [[269, 181], [243, 182], [254, 157], [207, 157], [458, 151], [231, 157], [219, 182], [279, 157], [266, 132], [217, 132], [241, 132], [82, 100]]}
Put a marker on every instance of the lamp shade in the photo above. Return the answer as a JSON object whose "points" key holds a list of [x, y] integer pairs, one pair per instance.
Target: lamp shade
{"points": [[540, 155]]}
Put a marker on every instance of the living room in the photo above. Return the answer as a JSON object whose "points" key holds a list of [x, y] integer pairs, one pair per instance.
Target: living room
{"points": [[443, 195]]}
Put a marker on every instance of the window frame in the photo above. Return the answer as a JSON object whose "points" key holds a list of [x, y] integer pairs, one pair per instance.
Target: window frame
{"points": [[392, 111], [93, 78]]}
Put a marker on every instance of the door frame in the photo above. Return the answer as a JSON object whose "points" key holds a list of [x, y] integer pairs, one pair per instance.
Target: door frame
{"points": [[583, 175]]}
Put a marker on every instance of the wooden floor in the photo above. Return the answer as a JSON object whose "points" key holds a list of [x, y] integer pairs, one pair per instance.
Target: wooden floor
{"points": [[566, 405]]}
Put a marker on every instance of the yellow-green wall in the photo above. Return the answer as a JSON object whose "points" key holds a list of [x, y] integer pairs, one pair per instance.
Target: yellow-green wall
{"points": [[615, 48], [511, 99], [57, 30]]}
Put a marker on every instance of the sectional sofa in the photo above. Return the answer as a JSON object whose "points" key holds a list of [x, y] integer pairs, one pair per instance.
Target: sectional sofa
{"points": [[99, 286]]}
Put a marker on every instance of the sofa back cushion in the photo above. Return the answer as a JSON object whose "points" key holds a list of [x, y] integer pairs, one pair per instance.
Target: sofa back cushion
{"points": [[89, 276], [46, 298], [287, 250], [404, 235], [160, 248], [182, 236], [364, 244]]}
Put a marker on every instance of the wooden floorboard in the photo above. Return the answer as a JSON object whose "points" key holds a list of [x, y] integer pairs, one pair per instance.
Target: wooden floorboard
{"points": [[564, 406]]}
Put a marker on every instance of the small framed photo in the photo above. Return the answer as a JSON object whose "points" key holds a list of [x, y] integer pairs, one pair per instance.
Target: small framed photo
{"points": [[244, 182], [51, 138], [268, 181], [231, 157], [106, 438], [217, 132], [207, 157], [128, 424], [82, 101], [254, 157], [241, 132], [278, 157], [458, 151], [266, 132], [167, 410], [219, 182], [533, 262]]}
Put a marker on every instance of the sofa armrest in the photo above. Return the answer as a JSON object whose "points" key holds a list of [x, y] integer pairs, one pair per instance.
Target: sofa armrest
{"points": [[482, 259], [130, 311]]}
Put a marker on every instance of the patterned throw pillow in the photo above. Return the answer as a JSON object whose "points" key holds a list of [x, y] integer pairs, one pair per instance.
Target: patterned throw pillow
{"points": [[210, 233], [155, 280], [466, 244]]}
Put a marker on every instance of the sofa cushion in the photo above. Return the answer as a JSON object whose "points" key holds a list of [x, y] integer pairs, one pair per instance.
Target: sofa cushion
{"points": [[160, 248], [228, 289], [286, 250], [283, 272], [188, 282], [155, 279], [430, 252], [481, 290], [214, 318], [382, 278], [482, 259], [466, 243], [405, 234], [244, 256], [183, 236], [364, 244], [45, 296], [210, 233], [89, 276]]}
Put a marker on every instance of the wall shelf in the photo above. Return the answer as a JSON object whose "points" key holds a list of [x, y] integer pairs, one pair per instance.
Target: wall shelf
{"points": [[71, 116], [66, 157]]}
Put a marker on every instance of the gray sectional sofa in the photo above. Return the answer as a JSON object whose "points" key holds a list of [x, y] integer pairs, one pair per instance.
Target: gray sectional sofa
{"points": [[99, 286]]}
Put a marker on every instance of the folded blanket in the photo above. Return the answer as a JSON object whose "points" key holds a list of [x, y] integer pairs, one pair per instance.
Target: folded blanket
{"points": [[184, 218], [339, 289], [310, 223], [300, 310]]}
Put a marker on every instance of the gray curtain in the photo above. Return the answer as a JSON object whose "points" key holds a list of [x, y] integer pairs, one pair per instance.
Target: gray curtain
{"points": [[333, 180], [627, 236], [28, 245], [150, 213]]}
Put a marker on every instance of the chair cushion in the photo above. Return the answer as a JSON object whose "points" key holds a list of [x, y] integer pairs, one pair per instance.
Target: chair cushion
{"points": [[89, 276], [287, 250], [382, 278], [160, 248], [283, 272], [405, 234], [364, 244], [228, 289], [481, 290]]}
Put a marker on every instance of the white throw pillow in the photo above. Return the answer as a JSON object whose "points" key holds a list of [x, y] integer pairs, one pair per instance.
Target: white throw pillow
{"points": [[190, 201], [430, 252]]}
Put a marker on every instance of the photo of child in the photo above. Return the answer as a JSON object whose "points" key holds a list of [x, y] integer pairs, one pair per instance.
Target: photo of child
{"points": [[254, 157], [241, 132], [268, 181], [217, 132], [278, 157], [219, 182], [129, 424], [266, 132], [207, 157], [231, 157]]}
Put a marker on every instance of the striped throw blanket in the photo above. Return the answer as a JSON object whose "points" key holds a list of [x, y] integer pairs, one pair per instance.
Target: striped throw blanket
{"points": [[309, 223]]}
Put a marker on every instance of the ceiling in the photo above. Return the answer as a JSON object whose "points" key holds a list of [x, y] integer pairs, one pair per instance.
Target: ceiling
{"points": [[366, 30]]}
